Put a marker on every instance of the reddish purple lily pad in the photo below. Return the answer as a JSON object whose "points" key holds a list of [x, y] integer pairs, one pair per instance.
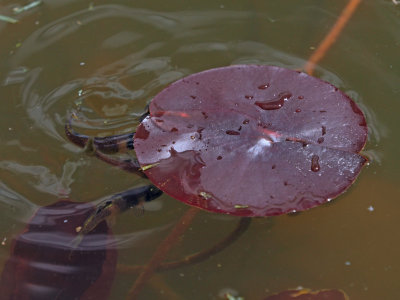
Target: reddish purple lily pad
{"points": [[306, 294], [252, 140], [45, 264]]}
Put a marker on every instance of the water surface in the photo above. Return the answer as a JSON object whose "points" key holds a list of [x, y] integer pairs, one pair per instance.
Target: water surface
{"points": [[107, 60]]}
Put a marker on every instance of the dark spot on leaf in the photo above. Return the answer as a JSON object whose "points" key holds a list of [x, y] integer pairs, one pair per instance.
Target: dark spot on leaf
{"points": [[263, 86], [142, 133], [232, 132], [315, 163], [199, 131], [274, 103]]}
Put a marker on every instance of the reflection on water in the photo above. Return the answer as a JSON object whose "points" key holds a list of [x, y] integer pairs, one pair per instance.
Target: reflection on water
{"points": [[15, 204], [109, 60], [42, 179]]}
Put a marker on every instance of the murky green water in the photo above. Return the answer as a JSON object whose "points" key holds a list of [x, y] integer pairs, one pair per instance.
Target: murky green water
{"points": [[108, 59]]}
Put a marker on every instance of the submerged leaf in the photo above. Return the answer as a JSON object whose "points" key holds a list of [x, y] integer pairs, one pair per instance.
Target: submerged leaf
{"points": [[45, 264]]}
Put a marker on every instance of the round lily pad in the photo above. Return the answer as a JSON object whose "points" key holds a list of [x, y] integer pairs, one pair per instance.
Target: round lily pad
{"points": [[252, 140]]}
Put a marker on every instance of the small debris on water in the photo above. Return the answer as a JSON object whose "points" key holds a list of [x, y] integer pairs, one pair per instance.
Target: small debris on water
{"points": [[371, 208], [74, 116], [3, 242], [78, 102], [18, 10], [229, 294], [78, 229], [347, 263], [231, 297], [240, 206], [8, 19], [144, 168], [205, 195]]}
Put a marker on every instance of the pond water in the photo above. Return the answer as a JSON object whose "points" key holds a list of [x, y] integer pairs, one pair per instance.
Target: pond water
{"points": [[108, 59]]}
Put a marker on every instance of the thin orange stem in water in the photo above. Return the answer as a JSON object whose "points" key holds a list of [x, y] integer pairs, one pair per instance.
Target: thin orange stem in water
{"points": [[162, 251], [331, 37]]}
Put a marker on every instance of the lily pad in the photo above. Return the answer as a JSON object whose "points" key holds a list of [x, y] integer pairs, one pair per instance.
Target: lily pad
{"points": [[252, 140]]}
